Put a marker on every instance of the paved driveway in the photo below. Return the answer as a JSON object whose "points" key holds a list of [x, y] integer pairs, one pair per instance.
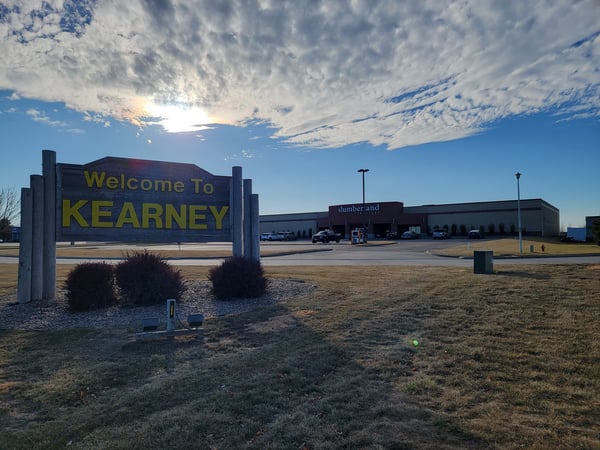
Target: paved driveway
{"points": [[416, 253]]}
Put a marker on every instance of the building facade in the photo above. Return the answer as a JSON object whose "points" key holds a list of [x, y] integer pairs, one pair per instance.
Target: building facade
{"points": [[538, 218], [590, 222]]}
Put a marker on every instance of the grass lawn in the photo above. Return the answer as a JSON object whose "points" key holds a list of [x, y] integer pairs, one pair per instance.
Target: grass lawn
{"points": [[375, 357], [510, 247]]}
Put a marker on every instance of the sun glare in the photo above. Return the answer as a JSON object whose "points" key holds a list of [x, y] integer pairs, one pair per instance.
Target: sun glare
{"points": [[178, 119]]}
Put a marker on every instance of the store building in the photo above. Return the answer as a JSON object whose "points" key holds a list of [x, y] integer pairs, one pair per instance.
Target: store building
{"points": [[538, 218], [590, 223]]}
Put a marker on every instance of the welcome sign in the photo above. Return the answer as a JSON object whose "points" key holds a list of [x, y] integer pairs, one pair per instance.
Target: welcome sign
{"points": [[119, 199]]}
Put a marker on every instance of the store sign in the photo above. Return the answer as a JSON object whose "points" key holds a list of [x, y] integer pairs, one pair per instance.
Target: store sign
{"points": [[370, 208], [119, 199]]}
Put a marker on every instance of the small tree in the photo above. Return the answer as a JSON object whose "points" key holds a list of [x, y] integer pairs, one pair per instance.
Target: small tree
{"points": [[491, 228], [463, 229], [453, 228], [9, 210], [90, 286], [238, 277], [501, 228], [146, 279]]}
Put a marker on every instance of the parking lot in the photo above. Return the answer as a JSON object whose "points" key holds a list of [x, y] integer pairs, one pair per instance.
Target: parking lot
{"points": [[417, 252]]}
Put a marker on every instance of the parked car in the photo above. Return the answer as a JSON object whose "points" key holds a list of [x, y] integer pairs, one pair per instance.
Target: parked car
{"points": [[272, 237], [409, 235], [288, 235], [326, 236], [475, 234], [440, 234]]}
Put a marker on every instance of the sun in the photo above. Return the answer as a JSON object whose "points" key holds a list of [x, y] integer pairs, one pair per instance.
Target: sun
{"points": [[178, 118]]}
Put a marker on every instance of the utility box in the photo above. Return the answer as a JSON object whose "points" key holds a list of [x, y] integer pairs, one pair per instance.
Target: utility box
{"points": [[483, 262]]}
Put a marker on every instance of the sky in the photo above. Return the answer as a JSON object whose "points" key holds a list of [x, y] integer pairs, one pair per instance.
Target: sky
{"points": [[443, 101]]}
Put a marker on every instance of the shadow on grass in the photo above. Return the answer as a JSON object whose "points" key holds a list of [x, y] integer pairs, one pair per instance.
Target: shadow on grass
{"points": [[263, 379], [523, 274]]}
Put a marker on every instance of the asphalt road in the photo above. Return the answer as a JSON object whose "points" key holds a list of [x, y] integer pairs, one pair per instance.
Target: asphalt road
{"points": [[407, 253]]}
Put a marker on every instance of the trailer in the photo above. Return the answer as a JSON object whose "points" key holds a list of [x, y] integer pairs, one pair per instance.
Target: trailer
{"points": [[576, 234]]}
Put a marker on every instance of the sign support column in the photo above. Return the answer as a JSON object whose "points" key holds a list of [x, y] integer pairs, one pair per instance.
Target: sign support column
{"points": [[247, 222], [254, 236], [237, 211], [37, 258], [49, 262], [25, 246]]}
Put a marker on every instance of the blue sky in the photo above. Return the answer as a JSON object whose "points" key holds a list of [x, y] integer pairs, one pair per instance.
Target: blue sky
{"points": [[442, 102]]}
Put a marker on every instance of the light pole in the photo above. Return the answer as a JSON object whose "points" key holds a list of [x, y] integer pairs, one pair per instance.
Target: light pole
{"points": [[518, 175], [363, 171]]}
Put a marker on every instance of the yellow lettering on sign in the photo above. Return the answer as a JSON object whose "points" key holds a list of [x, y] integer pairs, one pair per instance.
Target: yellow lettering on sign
{"points": [[171, 214], [179, 186], [72, 211], [100, 180], [127, 216], [104, 214], [195, 216], [218, 215], [98, 213], [152, 211], [132, 183], [112, 182], [94, 179]]}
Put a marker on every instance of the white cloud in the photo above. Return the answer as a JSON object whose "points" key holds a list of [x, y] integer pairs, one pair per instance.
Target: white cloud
{"points": [[324, 75], [40, 116]]}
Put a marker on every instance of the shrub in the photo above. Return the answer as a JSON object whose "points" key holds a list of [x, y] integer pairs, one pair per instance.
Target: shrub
{"points": [[90, 286], [146, 279], [238, 277]]}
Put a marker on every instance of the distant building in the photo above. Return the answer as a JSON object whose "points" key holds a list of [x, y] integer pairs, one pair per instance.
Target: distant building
{"points": [[16, 234], [538, 218], [589, 226], [303, 224]]}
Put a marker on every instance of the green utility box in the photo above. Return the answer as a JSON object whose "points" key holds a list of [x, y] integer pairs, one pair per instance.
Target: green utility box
{"points": [[483, 261]]}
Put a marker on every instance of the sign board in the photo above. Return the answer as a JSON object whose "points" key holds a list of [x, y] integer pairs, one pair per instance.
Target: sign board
{"points": [[120, 199]]}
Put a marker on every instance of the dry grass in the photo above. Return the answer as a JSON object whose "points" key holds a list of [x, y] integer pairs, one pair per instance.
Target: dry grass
{"points": [[509, 360], [510, 247], [101, 251]]}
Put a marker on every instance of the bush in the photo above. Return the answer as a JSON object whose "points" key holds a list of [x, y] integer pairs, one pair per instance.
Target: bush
{"points": [[238, 277], [90, 286], [146, 279]]}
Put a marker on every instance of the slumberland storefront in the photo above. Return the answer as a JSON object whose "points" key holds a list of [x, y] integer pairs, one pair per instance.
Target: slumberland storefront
{"points": [[379, 219]]}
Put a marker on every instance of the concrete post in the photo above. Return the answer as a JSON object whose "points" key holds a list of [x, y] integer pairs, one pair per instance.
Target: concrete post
{"points": [[237, 211], [247, 220], [37, 258], [25, 247], [255, 235], [49, 258]]}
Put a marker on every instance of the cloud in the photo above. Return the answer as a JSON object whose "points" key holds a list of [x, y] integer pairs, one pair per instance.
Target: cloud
{"points": [[321, 73], [40, 116]]}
